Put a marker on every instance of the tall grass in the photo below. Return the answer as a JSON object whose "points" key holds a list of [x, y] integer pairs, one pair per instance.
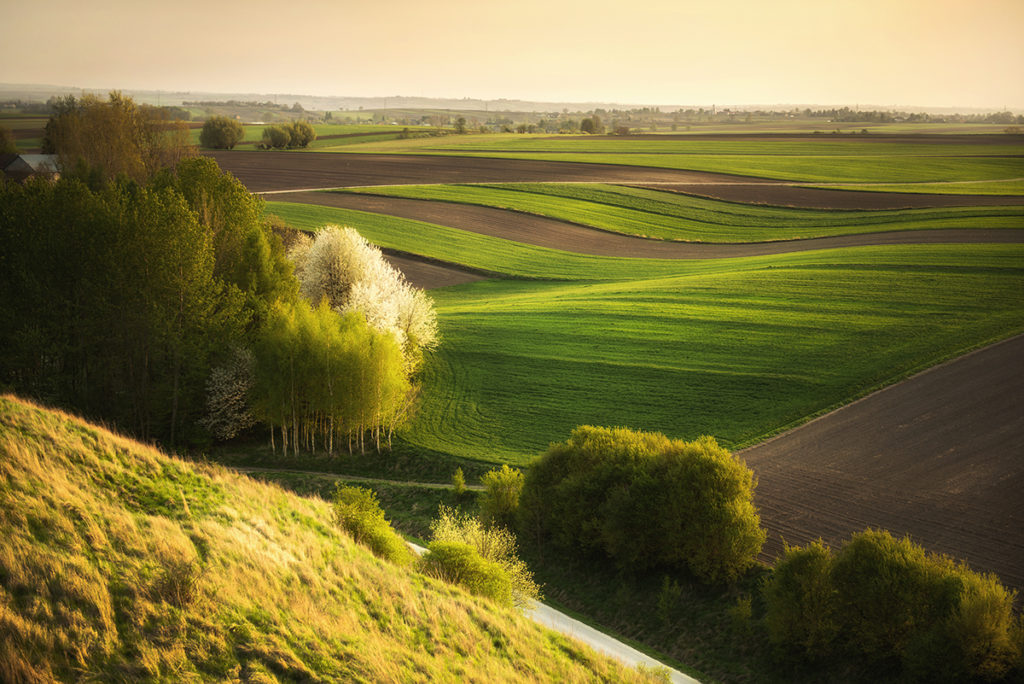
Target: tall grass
{"points": [[118, 563]]}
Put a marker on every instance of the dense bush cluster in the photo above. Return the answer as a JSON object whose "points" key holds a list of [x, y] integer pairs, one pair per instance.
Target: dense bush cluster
{"points": [[886, 601], [645, 502], [459, 563], [291, 136], [358, 512], [221, 133], [500, 498], [493, 544]]}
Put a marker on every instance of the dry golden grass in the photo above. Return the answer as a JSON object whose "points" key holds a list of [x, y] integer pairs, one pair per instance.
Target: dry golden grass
{"points": [[119, 563]]}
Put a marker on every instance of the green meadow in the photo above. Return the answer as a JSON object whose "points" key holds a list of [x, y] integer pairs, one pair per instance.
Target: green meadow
{"points": [[736, 348], [672, 216]]}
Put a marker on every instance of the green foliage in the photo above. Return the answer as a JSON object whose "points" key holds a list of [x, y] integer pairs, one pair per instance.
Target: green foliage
{"points": [[495, 544], [276, 137], [500, 498], [300, 134], [116, 137], [461, 564], [801, 601], [319, 374], [221, 133], [458, 483], [887, 601], [110, 302], [7, 143], [645, 502], [668, 599], [247, 253], [358, 512]]}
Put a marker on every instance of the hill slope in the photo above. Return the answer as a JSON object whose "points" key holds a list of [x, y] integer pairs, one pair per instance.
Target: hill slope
{"points": [[121, 563]]}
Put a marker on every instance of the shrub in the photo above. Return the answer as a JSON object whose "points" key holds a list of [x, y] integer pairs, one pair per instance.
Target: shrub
{"points": [[800, 601], [500, 499], [645, 501], [221, 133], [458, 483], [493, 544], [276, 137], [358, 512], [886, 600], [7, 143], [461, 564], [300, 134]]}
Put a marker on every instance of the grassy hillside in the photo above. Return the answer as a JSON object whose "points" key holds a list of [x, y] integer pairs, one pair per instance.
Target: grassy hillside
{"points": [[119, 563]]}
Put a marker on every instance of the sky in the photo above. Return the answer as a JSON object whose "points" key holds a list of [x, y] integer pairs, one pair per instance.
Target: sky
{"points": [[932, 53]]}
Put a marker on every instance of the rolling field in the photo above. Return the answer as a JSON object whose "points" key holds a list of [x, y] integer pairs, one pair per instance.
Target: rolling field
{"points": [[683, 347], [739, 354], [814, 159], [578, 325], [673, 216]]}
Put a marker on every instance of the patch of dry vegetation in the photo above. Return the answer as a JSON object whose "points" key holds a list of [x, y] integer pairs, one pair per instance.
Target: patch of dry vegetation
{"points": [[120, 563]]}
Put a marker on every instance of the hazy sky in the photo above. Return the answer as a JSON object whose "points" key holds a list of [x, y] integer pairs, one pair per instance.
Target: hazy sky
{"points": [[883, 52]]}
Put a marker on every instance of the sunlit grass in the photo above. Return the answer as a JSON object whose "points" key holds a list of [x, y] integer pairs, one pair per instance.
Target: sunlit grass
{"points": [[119, 563], [673, 216]]}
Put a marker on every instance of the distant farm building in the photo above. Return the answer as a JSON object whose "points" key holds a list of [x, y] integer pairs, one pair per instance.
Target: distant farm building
{"points": [[20, 167]]}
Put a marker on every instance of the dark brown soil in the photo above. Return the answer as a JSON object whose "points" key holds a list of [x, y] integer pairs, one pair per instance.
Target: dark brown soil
{"points": [[821, 198], [283, 171], [938, 457]]}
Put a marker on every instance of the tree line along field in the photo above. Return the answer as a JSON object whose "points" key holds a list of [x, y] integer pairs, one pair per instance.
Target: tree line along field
{"points": [[736, 348]]}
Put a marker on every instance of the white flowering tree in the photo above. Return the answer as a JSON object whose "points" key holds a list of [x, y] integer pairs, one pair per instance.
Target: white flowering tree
{"points": [[339, 265]]}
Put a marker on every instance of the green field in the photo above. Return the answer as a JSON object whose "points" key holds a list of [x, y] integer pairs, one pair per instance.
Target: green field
{"points": [[736, 348], [672, 216], [830, 159]]}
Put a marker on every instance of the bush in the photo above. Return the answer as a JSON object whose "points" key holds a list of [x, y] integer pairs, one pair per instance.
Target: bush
{"points": [[458, 483], [221, 133], [500, 499], [276, 137], [461, 564], [358, 512], [800, 601], [7, 143], [300, 134], [645, 501], [495, 544], [887, 601]]}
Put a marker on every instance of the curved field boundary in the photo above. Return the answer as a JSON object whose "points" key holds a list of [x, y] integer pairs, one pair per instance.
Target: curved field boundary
{"points": [[569, 237], [291, 171], [936, 457]]}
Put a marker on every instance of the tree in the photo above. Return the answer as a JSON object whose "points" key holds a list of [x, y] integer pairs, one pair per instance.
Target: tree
{"points": [[645, 502], [300, 134], [460, 125], [7, 144], [221, 133], [592, 125], [107, 139], [352, 275]]}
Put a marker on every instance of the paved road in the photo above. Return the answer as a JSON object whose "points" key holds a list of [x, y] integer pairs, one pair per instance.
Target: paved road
{"points": [[599, 641]]}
